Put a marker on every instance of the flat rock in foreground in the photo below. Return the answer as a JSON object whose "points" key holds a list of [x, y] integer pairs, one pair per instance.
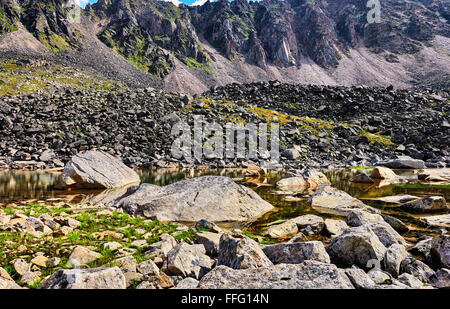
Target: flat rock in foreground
{"points": [[212, 198], [94, 278], [308, 275], [96, 170]]}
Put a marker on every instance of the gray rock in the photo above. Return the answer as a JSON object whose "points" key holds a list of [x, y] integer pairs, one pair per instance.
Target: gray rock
{"points": [[187, 261], [379, 277], [308, 275], [396, 224], [187, 284], [417, 268], [441, 279], [210, 241], [360, 217], [96, 170], [189, 200], [422, 248], [426, 204], [282, 230], [333, 201], [356, 246], [359, 278], [362, 178], [161, 248], [440, 251], [403, 162], [81, 256], [296, 253], [437, 221], [94, 278], [335, 227], [386, 234], [410, 281], [315, 222], [241, 253], [205, 224], [148, 268], [308, 179], [393, 258]]}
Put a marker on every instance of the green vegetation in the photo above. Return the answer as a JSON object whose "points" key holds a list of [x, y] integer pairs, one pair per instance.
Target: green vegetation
{"points": [[362, 168], [375, 138], [7, 25], [193, 63]]}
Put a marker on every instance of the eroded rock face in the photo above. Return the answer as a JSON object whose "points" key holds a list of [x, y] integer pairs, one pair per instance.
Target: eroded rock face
{"points": [[296, 253], [356, 246], [241, 253], [308, 275], [94, 278], [211, 198], [96, 170]]}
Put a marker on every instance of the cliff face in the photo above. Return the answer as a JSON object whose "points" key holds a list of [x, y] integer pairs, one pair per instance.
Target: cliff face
{"points": [[157, 37]]}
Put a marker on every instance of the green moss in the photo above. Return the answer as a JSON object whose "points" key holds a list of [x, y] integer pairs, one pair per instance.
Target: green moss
{"points": [[362, 168], [193, 63], [375, 138]]}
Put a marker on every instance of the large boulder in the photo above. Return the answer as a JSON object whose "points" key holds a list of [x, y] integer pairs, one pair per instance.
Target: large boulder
{"points": [[241, 252], [296, 253], [308, 275], [393, 258], [187, 261], [333, 201], [441, 279], [96, 170], [212, 198], [335, 227], [94, 278], [403, 162], [417, 268], [356, 246], [383, 173]]}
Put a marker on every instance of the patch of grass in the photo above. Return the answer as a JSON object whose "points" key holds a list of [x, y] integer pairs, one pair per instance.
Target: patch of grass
{"points": [[374, 138], [362, 168]]}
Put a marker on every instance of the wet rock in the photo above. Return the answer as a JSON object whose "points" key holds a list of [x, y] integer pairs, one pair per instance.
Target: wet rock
{"points": [[440, 251], [190, 200], [307, 179], [383, 173], [308, 275], [441, 279], [96, 170], [282, 230], [94, 278], [362, 178], [335, 227], [333, 201], [241, 253], [296, 253], [187, 261], [426, 204], [81, 256], [393, 258], [356, 246]]}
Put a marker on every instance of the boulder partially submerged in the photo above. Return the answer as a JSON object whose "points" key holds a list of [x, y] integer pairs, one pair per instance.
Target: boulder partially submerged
{"points": [[96, 170], [211, 197]]}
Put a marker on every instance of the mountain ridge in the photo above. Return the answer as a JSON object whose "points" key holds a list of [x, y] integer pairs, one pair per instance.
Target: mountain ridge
{"points": [[191, 49]]}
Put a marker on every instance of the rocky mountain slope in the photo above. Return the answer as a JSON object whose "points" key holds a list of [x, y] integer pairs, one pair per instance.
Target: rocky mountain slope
{"points": [[155, 43]]}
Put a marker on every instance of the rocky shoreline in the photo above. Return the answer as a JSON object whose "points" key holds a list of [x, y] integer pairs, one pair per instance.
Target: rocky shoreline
{"points": [[321, 126], [124, 243]]}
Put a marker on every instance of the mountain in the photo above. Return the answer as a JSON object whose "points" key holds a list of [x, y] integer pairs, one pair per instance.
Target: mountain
{"points": [[190, 49]]}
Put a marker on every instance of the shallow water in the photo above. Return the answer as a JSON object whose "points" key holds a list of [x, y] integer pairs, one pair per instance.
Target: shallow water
{"points": [[34, 186]]}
